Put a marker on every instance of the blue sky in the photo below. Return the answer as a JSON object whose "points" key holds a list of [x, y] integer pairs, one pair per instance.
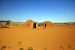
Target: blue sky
{"points": [[38, 10]]}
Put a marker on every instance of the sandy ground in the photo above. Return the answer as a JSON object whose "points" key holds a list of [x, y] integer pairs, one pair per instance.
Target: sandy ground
{"points": [[61, 37]]}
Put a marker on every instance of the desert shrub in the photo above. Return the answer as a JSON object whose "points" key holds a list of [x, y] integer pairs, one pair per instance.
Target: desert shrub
{"points": [[45, 48], [21, 48], [30, 48], [16, 25]]}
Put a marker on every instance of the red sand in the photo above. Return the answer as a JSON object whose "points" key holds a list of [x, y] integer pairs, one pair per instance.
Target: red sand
{"points": [[39, 39]]}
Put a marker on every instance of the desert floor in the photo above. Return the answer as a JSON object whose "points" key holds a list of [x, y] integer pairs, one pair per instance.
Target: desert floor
{"points": [[58, 37]]}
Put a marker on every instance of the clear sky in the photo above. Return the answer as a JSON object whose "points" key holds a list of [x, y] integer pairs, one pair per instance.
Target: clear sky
{"points": [[38, 10]]}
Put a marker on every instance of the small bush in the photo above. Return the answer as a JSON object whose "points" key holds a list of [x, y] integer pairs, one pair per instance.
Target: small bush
{"points": [[45, 48], [30, 48], [21, 48]]}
